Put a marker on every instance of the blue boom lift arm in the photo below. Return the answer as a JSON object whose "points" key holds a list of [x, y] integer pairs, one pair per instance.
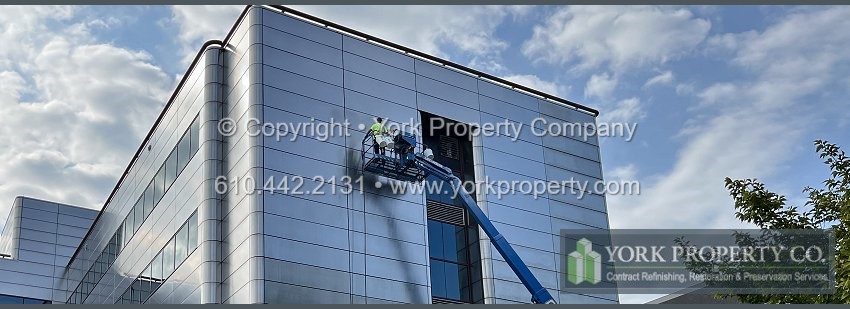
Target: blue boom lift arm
{"points": [[404, 164]]}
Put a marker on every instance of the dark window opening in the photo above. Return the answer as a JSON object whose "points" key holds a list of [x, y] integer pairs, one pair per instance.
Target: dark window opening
{"points": [[453, 245]]}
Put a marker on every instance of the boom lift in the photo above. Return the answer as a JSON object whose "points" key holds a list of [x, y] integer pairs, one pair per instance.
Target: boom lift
{"points": [[403, 163]]}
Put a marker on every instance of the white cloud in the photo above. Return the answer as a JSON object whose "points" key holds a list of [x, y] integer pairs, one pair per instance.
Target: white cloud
{"points": [[200, 23], [600, 86], [625, 111], [72, 109], [534, 82], [471, 29], [792, 62], [663, 78], [622, 37], [723, 92]]}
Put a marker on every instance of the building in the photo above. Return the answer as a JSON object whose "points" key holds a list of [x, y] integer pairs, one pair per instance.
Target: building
{"points": [[192, 219], [37, 242]]}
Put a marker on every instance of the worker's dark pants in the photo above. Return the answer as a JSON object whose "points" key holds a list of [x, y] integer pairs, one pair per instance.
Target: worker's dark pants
{"points": [[378, 148]]}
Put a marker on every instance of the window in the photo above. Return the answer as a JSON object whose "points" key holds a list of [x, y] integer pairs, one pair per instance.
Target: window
{"points": [[140, 216], [168, 258], [170, 168], [149, 201], [128, 227], [184, 152], [195, 135], [156, 268], [193, 231], [181, 249], [16, 300], [159, 184]]}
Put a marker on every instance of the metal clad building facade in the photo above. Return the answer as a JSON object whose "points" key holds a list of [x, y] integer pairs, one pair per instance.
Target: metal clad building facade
{"points": [[167, 235]]}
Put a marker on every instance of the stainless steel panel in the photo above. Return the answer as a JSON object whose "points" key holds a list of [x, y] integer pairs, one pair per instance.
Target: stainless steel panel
{"points": [[276, 116], [281, 293], [358, 266], [517, 147], [78, 211], [396, 249], [380, 89], [306, 275], [571, 146], [301, 46], [507, 95], [573, 163], [378, 70], [333, 199], [378, 53], [509, 162], [299, 208], [38, 225], [532, 257], [305, 232], [396, 270], [377, 107], [518, 217], [307, 147], [525, 133], [38, 236], [302, 85], [525, 237], [29, 203], [561, 128], [548, 278], [71, 231], [300, 252], [37, 246], [396, 291], [447, 109], [302, 65], [394, 229], [303, 167], [578, 214], [446, 75], [396, 209], [564, 112], [589, 201], [39, 214], [524, 202], [525, 114], [302, 29], [448, 92]]}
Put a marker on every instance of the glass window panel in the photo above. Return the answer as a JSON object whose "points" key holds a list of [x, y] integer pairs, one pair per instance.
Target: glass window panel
{"points": [[438, 279], [10, 300], [150, 203], [195, 136], [140, 216], [156, 267], [170, 169], [181, 245], [435, 239], [450, 243], [184, 151], [159, 184], [128, 227], [168, 259], [452, 281], [193, 232]]}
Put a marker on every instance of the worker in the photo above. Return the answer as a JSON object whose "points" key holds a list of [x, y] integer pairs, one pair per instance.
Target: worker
{"points": [[378, 131]]}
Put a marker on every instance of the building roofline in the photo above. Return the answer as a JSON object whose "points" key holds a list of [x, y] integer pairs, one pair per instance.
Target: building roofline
{"points": [[446, 63]]}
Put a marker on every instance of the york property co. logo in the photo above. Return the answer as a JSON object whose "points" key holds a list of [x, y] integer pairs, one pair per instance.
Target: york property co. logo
{"points": [[584, 264]]}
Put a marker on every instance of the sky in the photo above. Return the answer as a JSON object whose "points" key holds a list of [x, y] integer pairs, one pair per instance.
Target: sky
{"points": [[739, 91]]}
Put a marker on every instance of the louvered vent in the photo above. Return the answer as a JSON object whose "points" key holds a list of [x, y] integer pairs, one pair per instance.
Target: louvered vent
{"points": [[449, 147], [446, 213]]}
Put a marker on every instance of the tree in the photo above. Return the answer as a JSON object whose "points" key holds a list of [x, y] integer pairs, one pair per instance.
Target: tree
{"points": [[828, 208]]}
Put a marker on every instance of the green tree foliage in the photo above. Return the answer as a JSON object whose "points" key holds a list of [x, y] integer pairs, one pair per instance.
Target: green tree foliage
{"points": [[828, 208]]}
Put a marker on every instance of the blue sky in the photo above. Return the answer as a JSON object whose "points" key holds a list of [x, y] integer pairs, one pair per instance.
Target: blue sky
{"points": [[736, 91]]}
